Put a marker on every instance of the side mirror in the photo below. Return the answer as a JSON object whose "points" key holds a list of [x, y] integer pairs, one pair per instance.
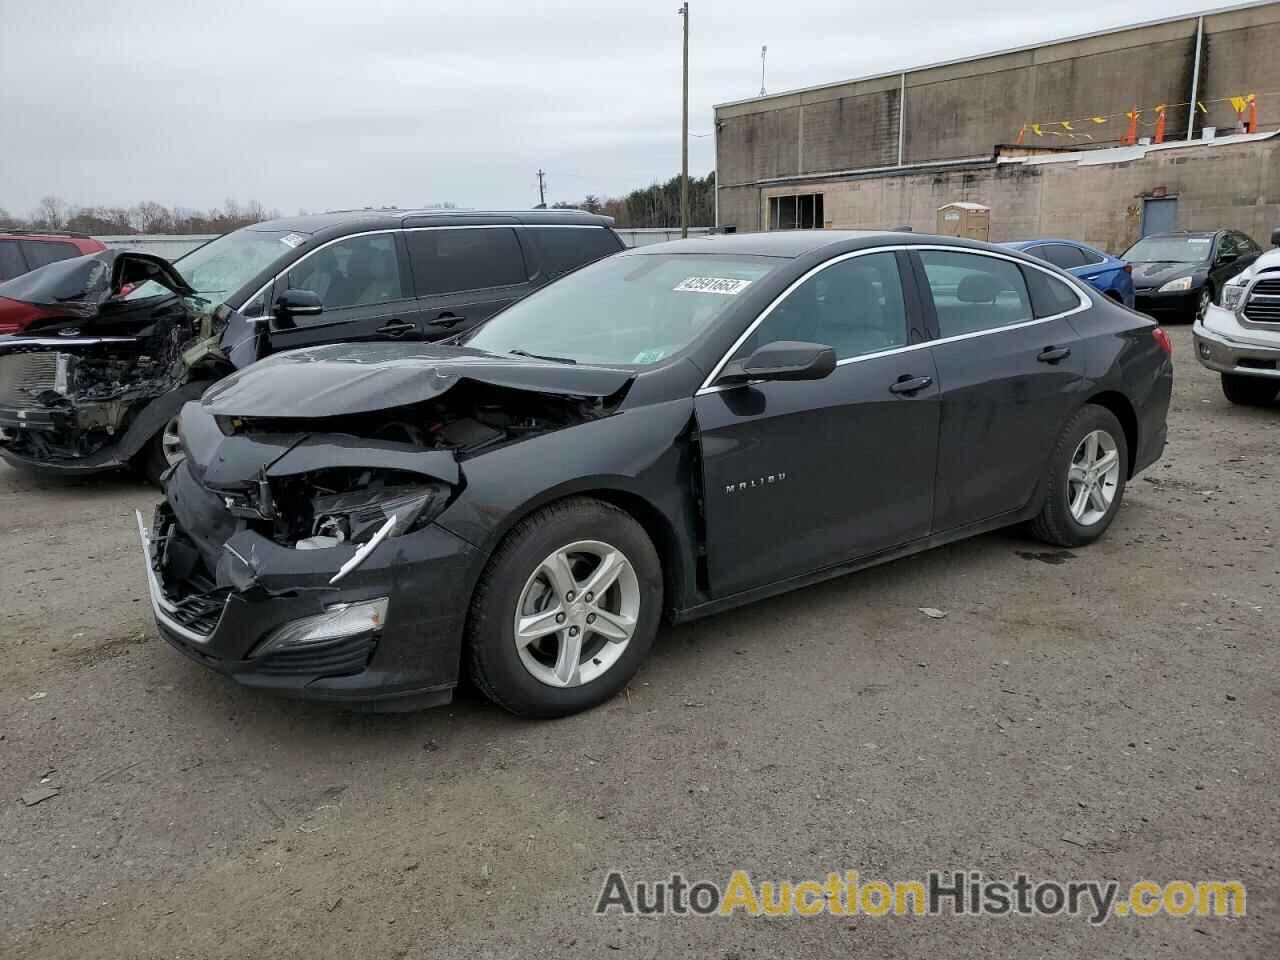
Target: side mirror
{"points": [[782, 360], [298, 303], [1275, 237]]}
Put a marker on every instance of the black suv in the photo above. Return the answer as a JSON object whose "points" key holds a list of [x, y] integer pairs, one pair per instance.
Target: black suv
{"points": [[101, 352]]}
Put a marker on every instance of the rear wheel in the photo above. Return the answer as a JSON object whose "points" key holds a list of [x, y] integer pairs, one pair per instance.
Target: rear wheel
{"points": [[1086, 480], [566, 610], [1249, 391]]}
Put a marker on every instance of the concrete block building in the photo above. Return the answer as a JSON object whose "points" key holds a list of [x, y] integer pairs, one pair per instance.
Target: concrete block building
{"points": [[1041, 135]]}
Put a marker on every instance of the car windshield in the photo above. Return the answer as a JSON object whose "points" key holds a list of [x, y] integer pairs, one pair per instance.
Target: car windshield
{"points": [[1170, 250], [221, 267], [636, 309]]}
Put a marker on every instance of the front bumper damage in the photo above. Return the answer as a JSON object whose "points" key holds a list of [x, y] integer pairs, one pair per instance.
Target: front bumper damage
{"points": [[405, 656]]}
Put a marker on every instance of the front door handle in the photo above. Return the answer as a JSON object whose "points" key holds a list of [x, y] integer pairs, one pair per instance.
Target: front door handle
{"points": [[909, 385], [396, 328], [446, 320], [1053, 354]]}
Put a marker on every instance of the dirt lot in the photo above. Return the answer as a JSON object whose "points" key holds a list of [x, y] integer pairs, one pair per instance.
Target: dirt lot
{"points": [[1110, 714]]}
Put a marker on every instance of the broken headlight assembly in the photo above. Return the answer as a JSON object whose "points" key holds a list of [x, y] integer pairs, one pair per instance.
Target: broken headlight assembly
{"points": [[357, 516]]}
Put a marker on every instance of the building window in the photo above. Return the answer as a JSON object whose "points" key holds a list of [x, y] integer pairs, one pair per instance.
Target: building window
{"points": [[797, 212]]}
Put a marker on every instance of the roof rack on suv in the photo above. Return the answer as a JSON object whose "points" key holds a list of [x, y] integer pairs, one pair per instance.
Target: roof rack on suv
{"points": [[33, 232]]}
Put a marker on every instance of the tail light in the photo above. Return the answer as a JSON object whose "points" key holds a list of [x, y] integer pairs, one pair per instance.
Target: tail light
{"points": [[1162, 338], [16, 316]]}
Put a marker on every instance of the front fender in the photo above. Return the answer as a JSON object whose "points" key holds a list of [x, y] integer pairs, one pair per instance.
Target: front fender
{"points": [[641, 457], [152, 418]]}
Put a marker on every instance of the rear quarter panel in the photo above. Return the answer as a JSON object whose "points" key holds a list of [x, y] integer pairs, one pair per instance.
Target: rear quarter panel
{"points": [[1122, 356]]}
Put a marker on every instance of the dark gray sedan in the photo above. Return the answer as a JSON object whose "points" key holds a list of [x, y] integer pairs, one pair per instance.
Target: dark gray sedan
{"points": [[673, 431]]}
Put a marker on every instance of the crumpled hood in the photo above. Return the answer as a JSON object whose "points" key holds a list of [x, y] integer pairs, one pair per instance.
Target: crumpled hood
{"points": [[348, 378], [80, 286], [1157, 274]]}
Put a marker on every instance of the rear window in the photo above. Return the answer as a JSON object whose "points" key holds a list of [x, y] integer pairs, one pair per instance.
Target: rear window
{"points": [[11, 262], [466, 258], [41, 252], [1049, 295], [1059, 254], [561, 249]]}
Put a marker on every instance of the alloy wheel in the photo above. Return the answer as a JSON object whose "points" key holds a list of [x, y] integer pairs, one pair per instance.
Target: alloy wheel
{"points": [[1093, 477], [577, 613], [171, 443]]}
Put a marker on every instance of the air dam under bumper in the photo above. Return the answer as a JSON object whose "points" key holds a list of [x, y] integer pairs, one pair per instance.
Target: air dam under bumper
{"points": [[410, 661]]}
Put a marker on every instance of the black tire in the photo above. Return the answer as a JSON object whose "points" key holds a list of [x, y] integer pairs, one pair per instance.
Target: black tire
{"points": [[495, 664], [1202, 302], [1055, 523], [1249, 391]]}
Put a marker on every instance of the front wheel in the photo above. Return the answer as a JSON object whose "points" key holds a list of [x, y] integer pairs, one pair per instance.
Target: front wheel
{"points": [[566, 610], [1249, 391], [1202, 304], [1087, 474], [160, 453]]}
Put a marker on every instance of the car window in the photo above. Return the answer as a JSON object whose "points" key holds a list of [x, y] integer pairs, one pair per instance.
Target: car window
{"points": [[1059, 254], [972, 292], [469, 258], [1247, 244], [629, 309], [351, 273], [854, 306], [1170, 250], [1090, 257], [1229, 247], [41, 252], [11, 262], [561, 249], [1049, 295]]}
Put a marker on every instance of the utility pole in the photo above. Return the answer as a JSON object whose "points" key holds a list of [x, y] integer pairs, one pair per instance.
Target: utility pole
{"points": [[542, 189], [684, 132], [763, 51]]}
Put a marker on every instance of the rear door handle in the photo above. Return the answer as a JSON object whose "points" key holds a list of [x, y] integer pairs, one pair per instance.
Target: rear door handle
{"points": [[1053, 354], [396, 328], [446, 320], [908, 384]]}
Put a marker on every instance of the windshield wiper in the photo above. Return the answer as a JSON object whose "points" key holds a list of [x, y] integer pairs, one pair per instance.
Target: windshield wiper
{"points": [[539, 356]]}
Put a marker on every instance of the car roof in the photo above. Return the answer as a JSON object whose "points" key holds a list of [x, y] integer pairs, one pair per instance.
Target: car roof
{"points": [[42, 235], [338, 220], [774, 243], [1019, 244], [791, 244], [1179, 234]]}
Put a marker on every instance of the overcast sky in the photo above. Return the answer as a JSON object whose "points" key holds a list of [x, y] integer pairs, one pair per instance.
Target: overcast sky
{"points": [[321, 105]]}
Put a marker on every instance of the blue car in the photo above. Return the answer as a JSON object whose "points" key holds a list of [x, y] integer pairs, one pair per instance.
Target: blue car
{"points": [[1109, 274]]}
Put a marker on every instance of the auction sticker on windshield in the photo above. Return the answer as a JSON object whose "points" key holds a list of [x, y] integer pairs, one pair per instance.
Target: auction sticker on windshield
{"points": [[725, 285]]}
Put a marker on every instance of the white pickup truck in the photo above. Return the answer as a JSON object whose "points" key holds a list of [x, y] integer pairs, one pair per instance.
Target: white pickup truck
{"points": [[1240, 335]]}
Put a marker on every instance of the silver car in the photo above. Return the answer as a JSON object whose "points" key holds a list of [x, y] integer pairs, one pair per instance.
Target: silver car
{"points": [[1240, 335]]}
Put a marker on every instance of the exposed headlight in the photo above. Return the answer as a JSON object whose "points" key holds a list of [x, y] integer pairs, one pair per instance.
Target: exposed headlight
{"points": [[1173, 286], [1232, 294], [338, 621], [356, 516]]}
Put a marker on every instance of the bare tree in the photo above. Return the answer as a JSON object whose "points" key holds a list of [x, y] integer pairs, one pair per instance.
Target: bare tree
{"points": [[52, 213]]}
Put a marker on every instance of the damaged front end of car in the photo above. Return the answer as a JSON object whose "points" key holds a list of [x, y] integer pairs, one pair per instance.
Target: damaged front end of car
{"points": [[81, 364], [301, 554]]}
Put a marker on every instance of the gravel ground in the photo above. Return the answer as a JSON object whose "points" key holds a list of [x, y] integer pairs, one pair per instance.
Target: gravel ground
{"points": [[1106, 714]]}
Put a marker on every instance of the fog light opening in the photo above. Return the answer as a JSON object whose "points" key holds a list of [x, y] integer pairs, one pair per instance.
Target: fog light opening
{"points": [[338, 622]]}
